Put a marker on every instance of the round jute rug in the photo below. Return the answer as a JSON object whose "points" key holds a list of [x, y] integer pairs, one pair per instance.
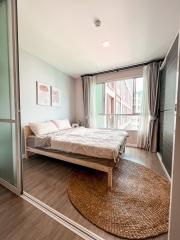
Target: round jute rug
{"points": [[137, 207]]}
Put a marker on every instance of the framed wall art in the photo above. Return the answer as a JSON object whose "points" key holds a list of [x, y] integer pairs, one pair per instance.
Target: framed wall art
{"points": [[43, 94], [55, 97]]}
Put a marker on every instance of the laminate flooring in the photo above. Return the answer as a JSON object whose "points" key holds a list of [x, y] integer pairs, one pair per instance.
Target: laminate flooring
{"points": [[47, 180], [19, 220]]}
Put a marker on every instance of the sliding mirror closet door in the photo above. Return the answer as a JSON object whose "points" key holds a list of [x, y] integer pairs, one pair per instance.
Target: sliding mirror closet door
{"points": [[10, 173]]}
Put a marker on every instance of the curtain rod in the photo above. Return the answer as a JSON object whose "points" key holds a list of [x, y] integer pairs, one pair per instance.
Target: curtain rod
{"points": [[123, 68]]}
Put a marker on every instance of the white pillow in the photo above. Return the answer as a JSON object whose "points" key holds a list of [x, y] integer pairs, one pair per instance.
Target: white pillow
{"points": [[43, 128], [62, 124]]}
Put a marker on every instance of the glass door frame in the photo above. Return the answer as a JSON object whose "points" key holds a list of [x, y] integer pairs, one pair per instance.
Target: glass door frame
{"points": [[14, 69]]}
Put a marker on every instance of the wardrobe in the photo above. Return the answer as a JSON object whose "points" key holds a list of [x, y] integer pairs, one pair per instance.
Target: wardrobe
{"points": [[167, 109]]}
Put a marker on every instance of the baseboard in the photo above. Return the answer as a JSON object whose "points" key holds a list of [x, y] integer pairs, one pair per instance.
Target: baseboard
{"points": [[163, 167], [62, 219], [10, 187]]}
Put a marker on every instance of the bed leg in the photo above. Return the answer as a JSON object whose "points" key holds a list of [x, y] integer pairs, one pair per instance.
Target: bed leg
{"points": [[27, 154], [110, 178]]}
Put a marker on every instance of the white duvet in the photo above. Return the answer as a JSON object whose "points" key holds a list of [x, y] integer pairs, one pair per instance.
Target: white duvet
{"points": [[90, 142]]}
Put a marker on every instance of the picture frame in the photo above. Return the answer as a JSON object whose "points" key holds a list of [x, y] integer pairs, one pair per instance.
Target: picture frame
{"points": [[55, 97], [43, 92]]}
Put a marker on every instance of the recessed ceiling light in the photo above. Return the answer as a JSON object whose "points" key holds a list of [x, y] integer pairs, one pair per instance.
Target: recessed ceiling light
{"points": [[106, 44]]}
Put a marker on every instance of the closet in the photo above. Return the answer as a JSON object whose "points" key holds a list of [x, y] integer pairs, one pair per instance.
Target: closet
{"points": [[167, 110]]}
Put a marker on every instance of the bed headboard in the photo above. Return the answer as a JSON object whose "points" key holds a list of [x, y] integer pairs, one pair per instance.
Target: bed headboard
{"points": [[27, 132]]}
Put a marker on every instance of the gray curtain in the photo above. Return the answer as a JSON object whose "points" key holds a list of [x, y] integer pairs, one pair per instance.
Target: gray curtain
{"points": [[89, 98], [152, 75]]}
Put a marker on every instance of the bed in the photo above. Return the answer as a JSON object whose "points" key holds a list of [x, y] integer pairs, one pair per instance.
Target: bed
{"points": [[94, 148]]}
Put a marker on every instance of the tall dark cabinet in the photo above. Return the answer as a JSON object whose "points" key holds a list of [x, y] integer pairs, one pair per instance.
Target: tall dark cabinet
{"points": [[168, 78]]}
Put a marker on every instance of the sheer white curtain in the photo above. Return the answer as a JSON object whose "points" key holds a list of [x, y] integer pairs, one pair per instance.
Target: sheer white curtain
{"points": [[89, 97], [145, 114]]}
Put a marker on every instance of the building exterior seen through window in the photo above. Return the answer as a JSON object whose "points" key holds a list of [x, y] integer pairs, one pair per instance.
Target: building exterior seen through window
{"points": [[118, 104]]}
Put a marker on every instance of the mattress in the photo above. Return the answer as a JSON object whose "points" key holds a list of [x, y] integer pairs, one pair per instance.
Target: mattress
{"points": [[100, 143]]}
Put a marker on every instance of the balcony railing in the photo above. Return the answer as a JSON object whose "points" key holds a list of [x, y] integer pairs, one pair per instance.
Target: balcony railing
{"points": [[118, 121]]}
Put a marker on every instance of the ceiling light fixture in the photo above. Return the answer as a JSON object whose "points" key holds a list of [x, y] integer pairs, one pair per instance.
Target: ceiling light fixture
{"points": [[106, 44], [97, 22]]}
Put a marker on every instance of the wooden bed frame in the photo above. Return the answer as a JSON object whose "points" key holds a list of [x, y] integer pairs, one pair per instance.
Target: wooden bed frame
{"points": [[103, 165]]}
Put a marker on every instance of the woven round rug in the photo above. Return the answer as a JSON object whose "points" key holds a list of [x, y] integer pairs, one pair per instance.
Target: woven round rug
{"points": [[137, 207]]}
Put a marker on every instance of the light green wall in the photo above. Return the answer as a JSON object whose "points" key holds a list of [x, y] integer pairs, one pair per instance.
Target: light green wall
{"points": [[33, 69]]}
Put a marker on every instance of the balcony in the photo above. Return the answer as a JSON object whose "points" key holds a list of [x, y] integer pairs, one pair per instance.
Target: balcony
{"points": [[127, 122]]}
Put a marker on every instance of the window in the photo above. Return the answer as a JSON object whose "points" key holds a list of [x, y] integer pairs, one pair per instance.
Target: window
{"points": [[118, 104]]}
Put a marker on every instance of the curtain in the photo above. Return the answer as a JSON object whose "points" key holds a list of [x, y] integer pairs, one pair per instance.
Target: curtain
{"points": [[144, 118], [89, 98], [147, 136], [153, 102]]}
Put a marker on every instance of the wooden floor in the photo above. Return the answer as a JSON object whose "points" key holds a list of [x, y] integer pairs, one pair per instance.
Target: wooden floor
{"points": [[47, 180], [19, 220]]}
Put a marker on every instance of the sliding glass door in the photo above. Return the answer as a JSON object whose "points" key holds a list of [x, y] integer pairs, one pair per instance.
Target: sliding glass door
{"points": [[10, 164]]}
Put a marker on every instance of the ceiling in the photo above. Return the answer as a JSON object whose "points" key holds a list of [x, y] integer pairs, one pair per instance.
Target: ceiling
{"points": [[62, 32]]}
